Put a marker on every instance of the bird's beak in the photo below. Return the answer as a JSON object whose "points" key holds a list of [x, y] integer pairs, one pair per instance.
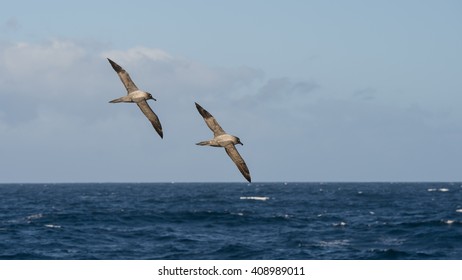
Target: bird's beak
{"points": [[241, 143], [153, 99]]}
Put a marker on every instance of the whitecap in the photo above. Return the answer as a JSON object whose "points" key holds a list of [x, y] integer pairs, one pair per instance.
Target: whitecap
{"points": [[449, 222], [459, 210], [262, 198], [284, 216], [35, 216], [341, 224], [392, 241], [431, 190], [238, 214], [334, 243], [443, 190], [52, 226]]}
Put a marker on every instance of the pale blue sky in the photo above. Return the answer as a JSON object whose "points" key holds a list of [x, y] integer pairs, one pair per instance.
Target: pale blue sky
{"points": [[316, 90]]}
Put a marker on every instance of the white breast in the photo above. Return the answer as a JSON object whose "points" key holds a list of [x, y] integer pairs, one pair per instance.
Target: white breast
{"points": [[225, 139], [138, 95]]}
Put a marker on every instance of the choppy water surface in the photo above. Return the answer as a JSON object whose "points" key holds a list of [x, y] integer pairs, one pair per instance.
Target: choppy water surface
{"points": [[231, 221]]}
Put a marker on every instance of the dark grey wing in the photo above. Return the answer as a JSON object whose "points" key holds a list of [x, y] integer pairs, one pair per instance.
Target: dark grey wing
{"points": [[124, 77], [240, 163], [152, 117], [210, 121]]}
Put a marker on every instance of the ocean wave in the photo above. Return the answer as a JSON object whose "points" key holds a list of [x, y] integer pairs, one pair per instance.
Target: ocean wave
{"points": [[34, 216], [451, 222], [261, 198], [390, 254], [52, 226], [334, 243], [225, 221], [438, 189]]}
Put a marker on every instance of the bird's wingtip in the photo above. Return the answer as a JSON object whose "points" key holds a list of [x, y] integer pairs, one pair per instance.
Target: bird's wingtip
{"points": [[201, 110], [114, 65], [160, 132]]}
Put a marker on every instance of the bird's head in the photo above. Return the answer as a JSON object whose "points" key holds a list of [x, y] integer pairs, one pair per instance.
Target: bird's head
{"points": [[150, 96], [239, 141]]}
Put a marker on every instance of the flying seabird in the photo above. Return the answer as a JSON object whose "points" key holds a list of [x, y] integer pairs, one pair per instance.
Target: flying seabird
{"points": [[134, 95], [222, 139]]}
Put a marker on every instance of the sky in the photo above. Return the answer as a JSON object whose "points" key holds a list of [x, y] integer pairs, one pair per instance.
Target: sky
{"points": [[317, 91]]}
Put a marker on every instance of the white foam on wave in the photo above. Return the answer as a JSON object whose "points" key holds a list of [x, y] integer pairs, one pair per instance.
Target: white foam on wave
{"points": [[440, 190], [390, 241], [334, 243], [35, 216], [238, 214], [262, 198], [449, 222], [52, 226], [341, 224], [459, 210]]}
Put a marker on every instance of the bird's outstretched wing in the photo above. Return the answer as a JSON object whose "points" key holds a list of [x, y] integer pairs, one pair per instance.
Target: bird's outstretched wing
{"points": [[210, 121], [240, 163], [152, 117], [124, 77]]}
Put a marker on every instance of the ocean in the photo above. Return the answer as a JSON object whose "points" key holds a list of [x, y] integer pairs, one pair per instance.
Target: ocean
{"points": [[225, 221]]}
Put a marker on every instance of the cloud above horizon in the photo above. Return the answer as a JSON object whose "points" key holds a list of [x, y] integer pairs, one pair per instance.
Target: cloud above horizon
{"points": [[55, 102], [56, 123]]}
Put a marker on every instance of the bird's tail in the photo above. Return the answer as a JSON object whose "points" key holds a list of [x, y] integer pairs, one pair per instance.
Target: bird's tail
{"points": [[121, 99], [204, 143]]}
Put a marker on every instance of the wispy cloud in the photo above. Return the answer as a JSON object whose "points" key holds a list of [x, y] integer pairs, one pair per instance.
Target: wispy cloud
{"points": [[11, 24], [55, 119], [285, 92], [60, 72], [137, 54], [55, 116]]}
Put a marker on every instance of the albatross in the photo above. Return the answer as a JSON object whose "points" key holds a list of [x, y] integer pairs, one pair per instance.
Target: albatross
{"points": [[134, 95], [222, 139]]}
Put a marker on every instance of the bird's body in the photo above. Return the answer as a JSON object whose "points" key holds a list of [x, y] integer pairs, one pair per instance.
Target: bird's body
{"points": [[220, 141], [224, 140], [134, 95]]}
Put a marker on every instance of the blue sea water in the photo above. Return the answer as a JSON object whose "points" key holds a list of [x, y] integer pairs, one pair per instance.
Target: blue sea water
{"points": [[231, 221]]}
